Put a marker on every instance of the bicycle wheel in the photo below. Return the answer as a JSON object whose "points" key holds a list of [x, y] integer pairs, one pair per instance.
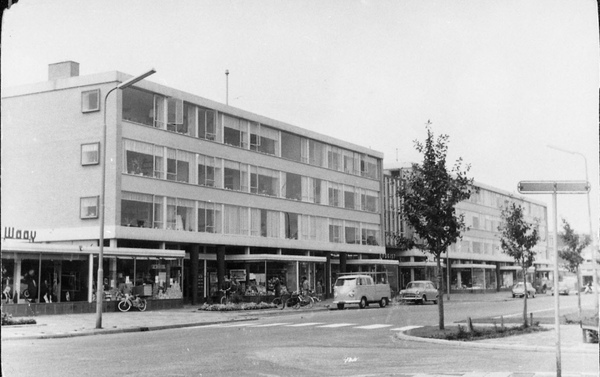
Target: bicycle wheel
{"points": [[292, 303], [223, 300], [309, 302], [277, 301], [142, 304], [124, 305]]}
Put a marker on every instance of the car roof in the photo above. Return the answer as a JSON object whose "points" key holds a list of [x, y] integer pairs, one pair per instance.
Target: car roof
{"points": [[421, 281], [354, 276]]}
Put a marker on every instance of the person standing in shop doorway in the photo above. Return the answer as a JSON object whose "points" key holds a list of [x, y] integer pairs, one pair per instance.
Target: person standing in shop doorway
{"points": [[32, 289]]}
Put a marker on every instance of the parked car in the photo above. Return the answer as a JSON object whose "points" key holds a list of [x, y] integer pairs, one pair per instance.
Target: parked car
{"points": [[419, 291], [563, 289], [519, 291], [360, 289]]}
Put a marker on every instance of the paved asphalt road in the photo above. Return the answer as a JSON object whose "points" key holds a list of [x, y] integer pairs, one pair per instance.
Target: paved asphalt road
{"points": [[351, 342]]}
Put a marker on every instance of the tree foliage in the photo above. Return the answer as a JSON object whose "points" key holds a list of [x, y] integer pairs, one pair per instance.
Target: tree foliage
{"points": [[574, 245], [429, 194], [518, 237]]}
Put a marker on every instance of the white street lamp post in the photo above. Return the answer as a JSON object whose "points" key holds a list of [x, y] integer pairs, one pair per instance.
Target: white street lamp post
{"points": [[100, 281], [593, 237]]}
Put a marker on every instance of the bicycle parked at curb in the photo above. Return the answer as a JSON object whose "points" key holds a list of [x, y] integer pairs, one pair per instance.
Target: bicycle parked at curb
{"points": [[226, 298], [298, 300], [280, 301], [128, 301]]}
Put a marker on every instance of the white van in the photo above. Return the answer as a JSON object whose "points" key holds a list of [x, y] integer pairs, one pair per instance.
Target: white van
{"points": [[360, 289]]}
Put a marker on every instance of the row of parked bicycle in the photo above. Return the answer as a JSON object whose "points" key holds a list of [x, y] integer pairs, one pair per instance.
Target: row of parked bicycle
{"points": [[294, 300]]}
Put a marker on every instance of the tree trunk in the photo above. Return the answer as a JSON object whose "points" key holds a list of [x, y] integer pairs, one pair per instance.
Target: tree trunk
{"points": [[525, 296], [440, 289]]}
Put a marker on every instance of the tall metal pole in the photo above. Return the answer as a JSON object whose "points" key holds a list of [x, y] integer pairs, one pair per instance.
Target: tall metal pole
{"points": [[227, 87], [100, 280], [556, 295]]}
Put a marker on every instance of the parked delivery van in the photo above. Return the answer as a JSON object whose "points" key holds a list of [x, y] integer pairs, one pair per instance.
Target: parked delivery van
{"points": [[360, 289]]}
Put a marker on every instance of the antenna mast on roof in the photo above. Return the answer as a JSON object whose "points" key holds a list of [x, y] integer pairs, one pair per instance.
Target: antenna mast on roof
{"points": [[227, 87]]}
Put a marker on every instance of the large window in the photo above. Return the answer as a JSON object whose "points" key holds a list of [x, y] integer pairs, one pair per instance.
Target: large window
{"points": [[235, 176], [206, 124], [352, 232], [175, 116], [90, 100], [264, 181], [235, 220], [292, 186], [291, 147], [317, 153], [90, 154], [136, 210], [264, 139], [351, 162], [334, 158], [209, 171], [88, 207], [334, 194], [138, 106], [314, 228], [370, 234], [143, 159], [180, 214], [178, 165], [369, 200], [350, 197], [368, 167], [264, 223], [235, 131], [291, 225], [335, 230], [209, 217]]}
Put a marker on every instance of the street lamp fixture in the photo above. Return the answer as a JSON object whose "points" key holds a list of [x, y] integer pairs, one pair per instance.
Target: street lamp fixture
{"points": [[593, 238], [100, 281]]}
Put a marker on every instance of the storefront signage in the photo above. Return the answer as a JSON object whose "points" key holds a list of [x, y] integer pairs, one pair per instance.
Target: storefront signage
{"points": [[18, 234]]}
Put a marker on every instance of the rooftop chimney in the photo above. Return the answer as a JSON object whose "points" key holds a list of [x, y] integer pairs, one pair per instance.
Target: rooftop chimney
{"points": [[63, 70]]}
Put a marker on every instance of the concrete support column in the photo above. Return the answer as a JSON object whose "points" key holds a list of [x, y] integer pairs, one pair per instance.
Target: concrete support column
{"points": [[343, 259], [91, 279], [327, 282], [220, 266], [17, 279], [194, 265]]}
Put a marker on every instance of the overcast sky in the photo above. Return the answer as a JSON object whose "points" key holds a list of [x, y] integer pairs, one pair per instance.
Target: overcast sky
{"points": [[503, 79]]}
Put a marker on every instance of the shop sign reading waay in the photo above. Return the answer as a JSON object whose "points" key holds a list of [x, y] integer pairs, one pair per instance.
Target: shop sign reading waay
{"points": [[18, 234]]}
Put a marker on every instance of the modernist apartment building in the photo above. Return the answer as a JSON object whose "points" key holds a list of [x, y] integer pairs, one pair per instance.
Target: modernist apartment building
{"points": [[196, 192], [477, 261]]}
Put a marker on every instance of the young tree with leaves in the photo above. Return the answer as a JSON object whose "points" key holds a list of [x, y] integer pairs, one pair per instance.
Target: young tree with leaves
{"points": [[518, 237], [429, 194], [571, 254]]}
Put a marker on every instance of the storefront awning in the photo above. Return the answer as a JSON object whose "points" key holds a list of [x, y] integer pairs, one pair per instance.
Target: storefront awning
{"points": [[51, 248], [421, 264], [389, 262], [273, 257], [474, 265]]}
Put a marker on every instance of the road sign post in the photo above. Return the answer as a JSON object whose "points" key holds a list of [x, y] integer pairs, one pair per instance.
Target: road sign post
{"points": [[555, 188]]}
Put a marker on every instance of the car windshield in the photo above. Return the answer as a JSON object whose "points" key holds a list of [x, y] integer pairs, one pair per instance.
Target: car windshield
{"points": [[415, 285], [342, 282]]}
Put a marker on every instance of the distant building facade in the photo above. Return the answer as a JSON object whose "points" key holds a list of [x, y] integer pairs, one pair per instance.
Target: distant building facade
{"points": [[197, 192], [477, 261]]}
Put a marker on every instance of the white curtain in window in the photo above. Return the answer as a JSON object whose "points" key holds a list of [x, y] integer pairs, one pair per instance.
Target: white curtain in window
{"points": [[159, 112], [273, 221], [231, 122], [308, 189], [171, 213], [186, 212], [138, 146], [255, 222]]}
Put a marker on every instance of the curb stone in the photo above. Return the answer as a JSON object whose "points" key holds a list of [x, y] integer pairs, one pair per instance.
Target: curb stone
{"points": [[473, 344]]}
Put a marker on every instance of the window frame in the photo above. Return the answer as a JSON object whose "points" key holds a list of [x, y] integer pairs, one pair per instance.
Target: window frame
{"points": [[81, 207], [97, 162], [85, 102]]}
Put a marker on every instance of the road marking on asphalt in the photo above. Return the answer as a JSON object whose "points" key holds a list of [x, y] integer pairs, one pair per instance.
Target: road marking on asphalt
{"points": [[306, 324], [244, 324], [272, 324], [405, 328], [337, 325], [372, 327]]}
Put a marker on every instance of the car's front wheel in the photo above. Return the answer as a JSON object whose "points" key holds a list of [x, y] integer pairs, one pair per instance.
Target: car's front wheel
{"points": [[363, 303], [340, 306]]}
